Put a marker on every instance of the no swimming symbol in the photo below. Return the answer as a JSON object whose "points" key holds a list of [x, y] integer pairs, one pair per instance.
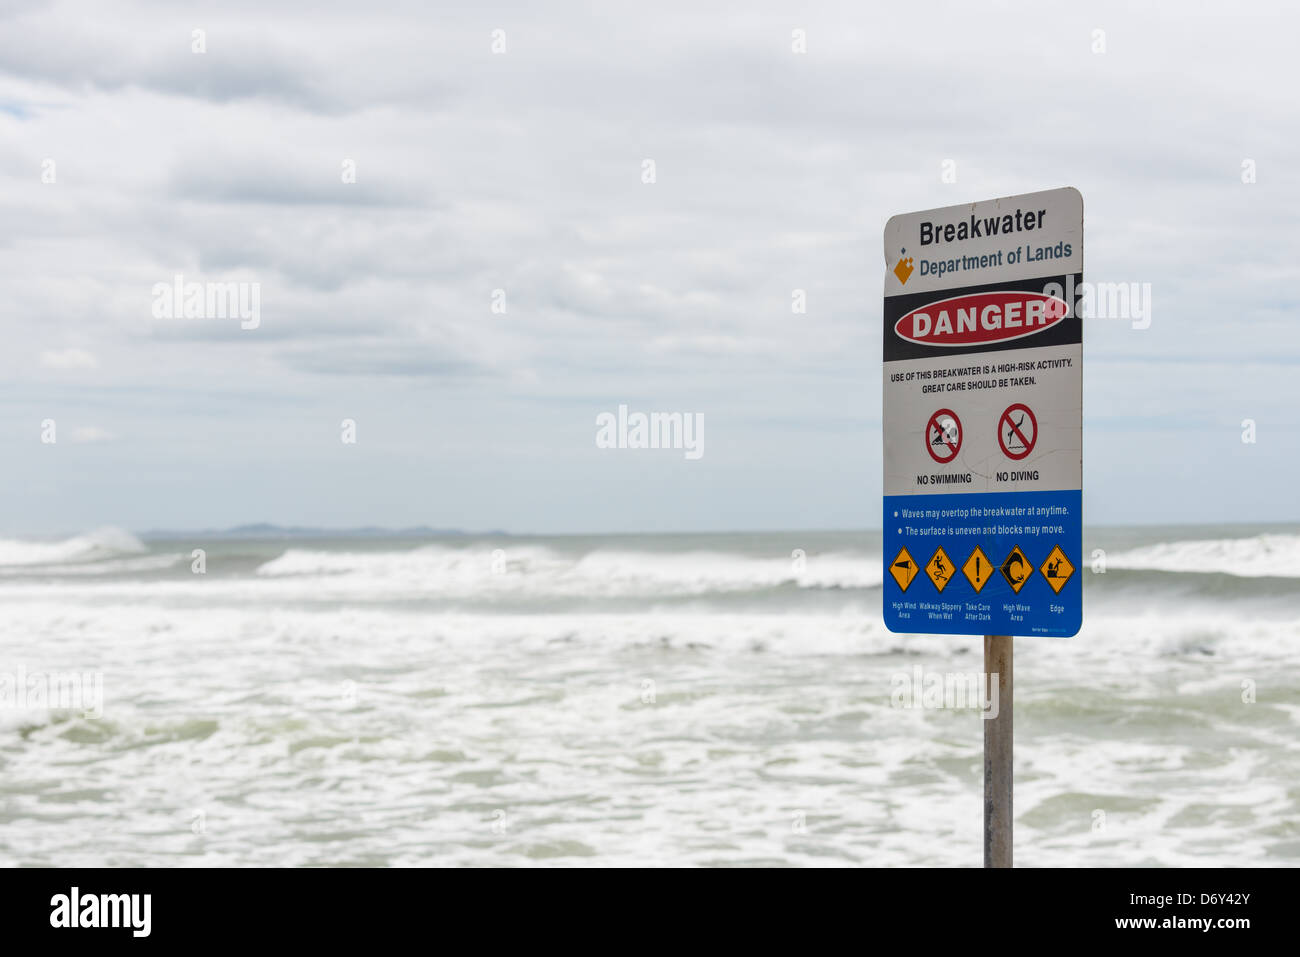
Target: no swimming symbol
{"points": [[943, 435]]}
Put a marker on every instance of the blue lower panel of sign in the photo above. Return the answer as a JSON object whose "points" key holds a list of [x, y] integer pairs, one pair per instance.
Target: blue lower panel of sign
{"points": [[987, 563]]}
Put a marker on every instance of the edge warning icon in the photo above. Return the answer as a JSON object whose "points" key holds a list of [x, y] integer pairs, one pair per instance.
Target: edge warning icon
{"points": [[940, 569], [1056, 569], [1016, 569], [903, 568], [978, 569]]}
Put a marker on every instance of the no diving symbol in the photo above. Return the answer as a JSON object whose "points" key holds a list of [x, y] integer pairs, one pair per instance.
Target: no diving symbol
{"points": [[943, 435], [1017, 431]]}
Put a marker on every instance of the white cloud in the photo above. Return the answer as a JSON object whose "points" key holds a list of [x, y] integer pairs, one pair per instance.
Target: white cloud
{"points": [[91, 433], [64, 359]]}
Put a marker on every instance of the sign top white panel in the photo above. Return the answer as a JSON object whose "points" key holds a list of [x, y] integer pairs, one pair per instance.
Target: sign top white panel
{"points": [[1015, 237]]}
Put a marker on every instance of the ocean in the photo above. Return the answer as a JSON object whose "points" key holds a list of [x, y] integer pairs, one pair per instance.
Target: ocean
{"points": [[628, 700]]}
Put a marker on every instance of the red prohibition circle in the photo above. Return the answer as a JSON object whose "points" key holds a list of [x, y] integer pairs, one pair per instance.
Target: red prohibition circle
{"points": [[1004, 422], [935, 424]]}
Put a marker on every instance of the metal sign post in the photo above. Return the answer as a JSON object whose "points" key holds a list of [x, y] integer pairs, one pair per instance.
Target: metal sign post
{"points": [[998, 777]]}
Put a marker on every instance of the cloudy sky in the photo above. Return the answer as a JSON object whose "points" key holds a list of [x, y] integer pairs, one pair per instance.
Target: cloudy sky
{"points": [[522, 171]]}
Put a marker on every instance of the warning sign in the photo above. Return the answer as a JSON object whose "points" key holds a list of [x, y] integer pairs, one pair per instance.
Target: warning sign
{"points": [[1016, 569], [943, 436], [1057, 569], [940, 569], [1017, 431], [903, 568], [982, 416], [978, 569]]}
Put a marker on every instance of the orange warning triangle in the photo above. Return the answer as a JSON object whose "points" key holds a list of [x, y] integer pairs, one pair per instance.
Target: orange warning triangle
{"points": [[1016, 569], [1056, 569], [940, 569], [903, 568], [978, 569]]}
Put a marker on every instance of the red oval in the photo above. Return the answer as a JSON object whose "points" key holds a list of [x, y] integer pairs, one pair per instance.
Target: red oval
{"points": [[982, 317]]}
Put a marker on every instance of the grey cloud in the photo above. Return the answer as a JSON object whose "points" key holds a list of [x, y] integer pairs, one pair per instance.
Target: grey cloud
{"points": [[267, 180], [248, 68], [521, 172], [383, 359]]}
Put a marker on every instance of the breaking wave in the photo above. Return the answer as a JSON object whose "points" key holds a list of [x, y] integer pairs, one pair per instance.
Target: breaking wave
{"points": [[604, 573], [102, 543], [1260, 556]]}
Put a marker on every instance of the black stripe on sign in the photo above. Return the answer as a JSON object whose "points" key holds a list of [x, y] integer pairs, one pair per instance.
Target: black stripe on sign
{"points": [[1066, 332]]}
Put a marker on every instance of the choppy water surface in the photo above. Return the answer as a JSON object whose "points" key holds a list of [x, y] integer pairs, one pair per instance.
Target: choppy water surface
{"points": [[631, 700]]}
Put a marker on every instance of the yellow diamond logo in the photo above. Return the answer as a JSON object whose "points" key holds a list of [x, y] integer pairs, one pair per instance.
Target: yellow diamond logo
{"points": [[1057, 569], [940, 569], [978, 569], [903, 568], [1016, 569]]}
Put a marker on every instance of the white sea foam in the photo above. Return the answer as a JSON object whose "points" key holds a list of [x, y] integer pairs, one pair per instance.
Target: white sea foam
{"points": [[541, 571], [139, 564], [101, 543], [1255, 557], [316, 709], [383, 735]]}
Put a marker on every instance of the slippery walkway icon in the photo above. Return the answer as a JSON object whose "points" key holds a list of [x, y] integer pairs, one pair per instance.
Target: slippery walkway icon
{"points": [[940, 569]]}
